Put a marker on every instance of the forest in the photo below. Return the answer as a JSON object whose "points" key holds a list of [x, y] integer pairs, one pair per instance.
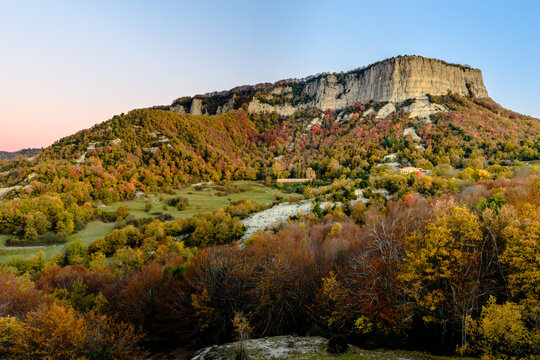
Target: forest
{"points": [[444, 258]]}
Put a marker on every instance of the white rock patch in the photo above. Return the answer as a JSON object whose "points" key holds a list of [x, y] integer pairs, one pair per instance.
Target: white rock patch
{"points": [[390, 157], [7, 190], [91, 146], [313, 122], [278, 347], [385, 111], [423, 109], [273, 217], [368, 112], [412, 133]]}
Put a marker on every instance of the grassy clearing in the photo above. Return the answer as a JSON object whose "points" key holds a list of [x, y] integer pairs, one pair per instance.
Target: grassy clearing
{"points": [[92, 231], [203, 200], [206, 199]]}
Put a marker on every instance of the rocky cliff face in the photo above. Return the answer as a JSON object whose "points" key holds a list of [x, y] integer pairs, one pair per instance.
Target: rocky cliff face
{"points": [[393, 80]]}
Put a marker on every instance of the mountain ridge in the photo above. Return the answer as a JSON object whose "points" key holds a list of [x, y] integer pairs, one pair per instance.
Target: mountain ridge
{"points": [[395, 79]]}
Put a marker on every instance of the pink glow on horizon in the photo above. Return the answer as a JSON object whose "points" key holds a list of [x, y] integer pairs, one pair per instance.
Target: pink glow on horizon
{"points": [[36, 123], [67, 65]]}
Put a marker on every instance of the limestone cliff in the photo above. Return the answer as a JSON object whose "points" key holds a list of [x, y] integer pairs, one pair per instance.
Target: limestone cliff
{"points": [[393, 80]]}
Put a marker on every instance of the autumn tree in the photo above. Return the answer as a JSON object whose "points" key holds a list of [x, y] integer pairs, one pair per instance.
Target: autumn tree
{"points": [[443, 269]]}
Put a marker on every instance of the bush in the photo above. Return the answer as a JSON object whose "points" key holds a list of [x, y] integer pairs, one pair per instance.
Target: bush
{"points": [[180, 202], [337, 344], [315, 330], [121, 213], [240, 353]]}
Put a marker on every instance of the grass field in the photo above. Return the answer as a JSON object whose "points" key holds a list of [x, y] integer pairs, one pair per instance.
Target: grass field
{"points": [[93, 230], [206, 199]]}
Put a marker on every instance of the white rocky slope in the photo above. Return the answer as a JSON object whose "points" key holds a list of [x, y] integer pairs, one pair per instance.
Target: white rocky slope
{"points": [[274, 216], [278, 347]]}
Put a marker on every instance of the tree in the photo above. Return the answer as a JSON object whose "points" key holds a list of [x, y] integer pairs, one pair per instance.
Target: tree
{"points": [[12, 338], [522, 253], [443, 268], [18, 295], [57, 332], [502, 333]]}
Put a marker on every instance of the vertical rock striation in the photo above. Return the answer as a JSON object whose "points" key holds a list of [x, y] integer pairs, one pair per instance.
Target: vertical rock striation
{"points": [[393, 80]]}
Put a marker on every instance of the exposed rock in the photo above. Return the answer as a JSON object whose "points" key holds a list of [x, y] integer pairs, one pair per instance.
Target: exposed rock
{"points": [[228, 106], [196, 106], [423, 109], [368, 112], [411, 132], [393, 166], [7, 190], [152, 150], [385, 111], [82, 158], [313, 122], [273, 217], [179, 109], [382, 192], [393, 80], [390, 157], [255, 106], [360, 196], [278, 347]]}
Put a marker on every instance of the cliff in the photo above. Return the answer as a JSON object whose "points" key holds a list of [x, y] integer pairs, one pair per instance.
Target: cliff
{"points": [[393, 80]]}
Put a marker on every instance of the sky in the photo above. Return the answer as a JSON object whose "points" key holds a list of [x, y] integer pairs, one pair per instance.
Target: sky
{"points": [[67, 65]]}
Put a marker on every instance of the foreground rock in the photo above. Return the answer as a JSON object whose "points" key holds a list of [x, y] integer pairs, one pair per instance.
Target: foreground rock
{"points": [[306, 348], [278, 347]]}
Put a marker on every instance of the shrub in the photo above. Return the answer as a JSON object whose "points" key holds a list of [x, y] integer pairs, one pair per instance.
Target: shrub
{"points": [[337, 344], [180, 202]]}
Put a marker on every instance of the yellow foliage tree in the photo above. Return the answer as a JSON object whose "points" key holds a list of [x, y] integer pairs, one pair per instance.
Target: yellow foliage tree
{"points": [[522, 253], [501, 333], [12, 338], [56, 333], [442, 269]]}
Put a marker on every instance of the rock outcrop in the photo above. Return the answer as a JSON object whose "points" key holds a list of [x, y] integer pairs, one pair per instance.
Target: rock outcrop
{"points": [[391, 80]]}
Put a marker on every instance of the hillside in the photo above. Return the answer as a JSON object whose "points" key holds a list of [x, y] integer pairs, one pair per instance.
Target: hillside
{"points": [[371, 142], [8, 155], [410, 221], [196, 147], [439, 113]]}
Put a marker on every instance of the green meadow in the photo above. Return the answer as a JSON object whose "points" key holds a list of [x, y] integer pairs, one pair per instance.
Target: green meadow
{"points": [[201, 199]]}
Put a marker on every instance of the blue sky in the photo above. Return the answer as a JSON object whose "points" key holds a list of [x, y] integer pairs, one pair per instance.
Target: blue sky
{"points": [[66, 65]]}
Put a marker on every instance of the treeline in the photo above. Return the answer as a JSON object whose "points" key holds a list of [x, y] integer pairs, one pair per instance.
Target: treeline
{"points": [[42, 220], [456, 272]]}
